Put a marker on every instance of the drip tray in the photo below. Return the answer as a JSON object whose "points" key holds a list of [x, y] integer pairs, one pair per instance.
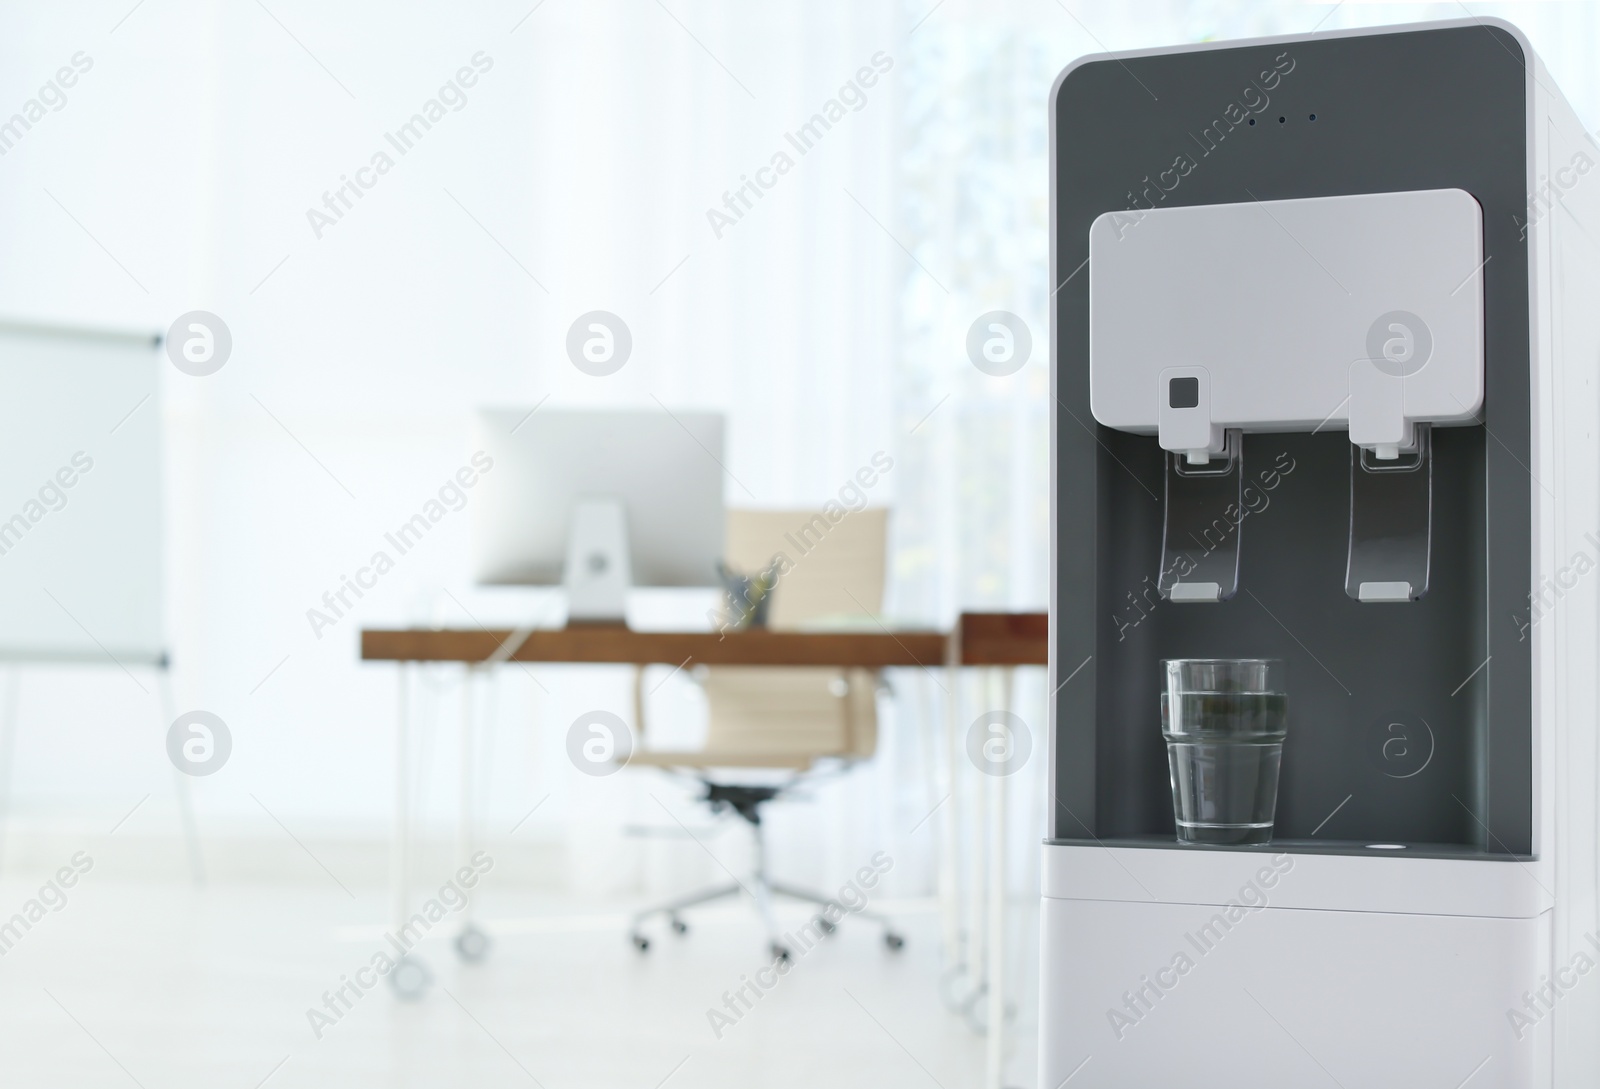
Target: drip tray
{"points": [[1375, 848]]}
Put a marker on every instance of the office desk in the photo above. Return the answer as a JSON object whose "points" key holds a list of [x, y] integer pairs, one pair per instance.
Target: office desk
{"points": [[864, 648], [1002, 641]]}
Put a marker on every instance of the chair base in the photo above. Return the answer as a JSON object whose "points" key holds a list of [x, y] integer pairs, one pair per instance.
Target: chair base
{"points": [[746, 801], [780, 945]]}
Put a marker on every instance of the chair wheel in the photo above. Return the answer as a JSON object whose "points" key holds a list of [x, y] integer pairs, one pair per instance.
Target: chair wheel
{"points": [[472, 944], [409, 978], [894, 941], [640, 942], [780, 952], [825, 926], [679, 926]]}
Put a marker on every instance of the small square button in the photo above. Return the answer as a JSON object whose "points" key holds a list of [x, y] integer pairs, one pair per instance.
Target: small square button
{"points": [[1183, 393]]}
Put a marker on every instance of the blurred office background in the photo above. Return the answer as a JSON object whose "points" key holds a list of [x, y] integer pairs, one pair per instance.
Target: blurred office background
{"points": [[828, 322]]}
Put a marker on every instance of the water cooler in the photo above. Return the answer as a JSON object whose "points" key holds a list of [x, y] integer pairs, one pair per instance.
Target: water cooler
{"points": [[1326, 343]]}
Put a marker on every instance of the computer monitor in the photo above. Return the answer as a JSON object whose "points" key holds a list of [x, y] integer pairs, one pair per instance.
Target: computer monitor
{"points": [[598, 501]]}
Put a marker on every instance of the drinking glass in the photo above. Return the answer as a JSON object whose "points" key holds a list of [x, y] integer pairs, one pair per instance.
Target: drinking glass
{"points": [[1224, 720]]}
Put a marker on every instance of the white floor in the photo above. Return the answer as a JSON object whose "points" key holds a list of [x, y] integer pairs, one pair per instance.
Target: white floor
{"points": [[168, 987]]}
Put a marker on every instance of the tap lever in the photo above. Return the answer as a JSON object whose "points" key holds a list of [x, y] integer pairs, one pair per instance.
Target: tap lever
{"points": [[1391, 523], [1200, 540]]}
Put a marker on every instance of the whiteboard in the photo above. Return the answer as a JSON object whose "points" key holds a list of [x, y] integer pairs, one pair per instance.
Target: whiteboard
{"points": [[80, 496]]}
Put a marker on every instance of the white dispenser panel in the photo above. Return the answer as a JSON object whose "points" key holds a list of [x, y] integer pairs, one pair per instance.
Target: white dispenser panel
{"points": [[1359, 313]]}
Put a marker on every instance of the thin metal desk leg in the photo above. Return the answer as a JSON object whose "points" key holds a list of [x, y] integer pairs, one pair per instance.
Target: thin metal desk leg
{"points": [[950, 828], [464, 826], [980, 792], [398, 845], [409, 977], [994, 1058], [472, 944]]}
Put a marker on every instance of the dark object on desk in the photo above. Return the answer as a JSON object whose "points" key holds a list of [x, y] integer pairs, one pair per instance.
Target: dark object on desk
{"points": [[747, 599]]}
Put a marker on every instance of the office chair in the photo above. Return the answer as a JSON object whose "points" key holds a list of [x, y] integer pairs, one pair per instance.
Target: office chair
{"points": [[785, 718]]}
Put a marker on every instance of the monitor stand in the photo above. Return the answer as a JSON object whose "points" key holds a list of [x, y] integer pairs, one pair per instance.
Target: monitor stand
{"points": [[598, 570]]}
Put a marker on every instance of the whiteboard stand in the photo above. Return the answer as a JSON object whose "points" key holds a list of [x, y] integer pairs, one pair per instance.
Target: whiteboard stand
{"points": [[8, 746], [81, 456], [180, 781], [9, 702]]}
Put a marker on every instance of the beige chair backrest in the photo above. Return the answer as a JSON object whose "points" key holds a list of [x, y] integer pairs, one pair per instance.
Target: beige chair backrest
{"points": [[834, 569]]}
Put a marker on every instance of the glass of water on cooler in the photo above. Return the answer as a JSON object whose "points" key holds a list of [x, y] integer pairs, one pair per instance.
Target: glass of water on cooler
{"points": [[1224, 720]]}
